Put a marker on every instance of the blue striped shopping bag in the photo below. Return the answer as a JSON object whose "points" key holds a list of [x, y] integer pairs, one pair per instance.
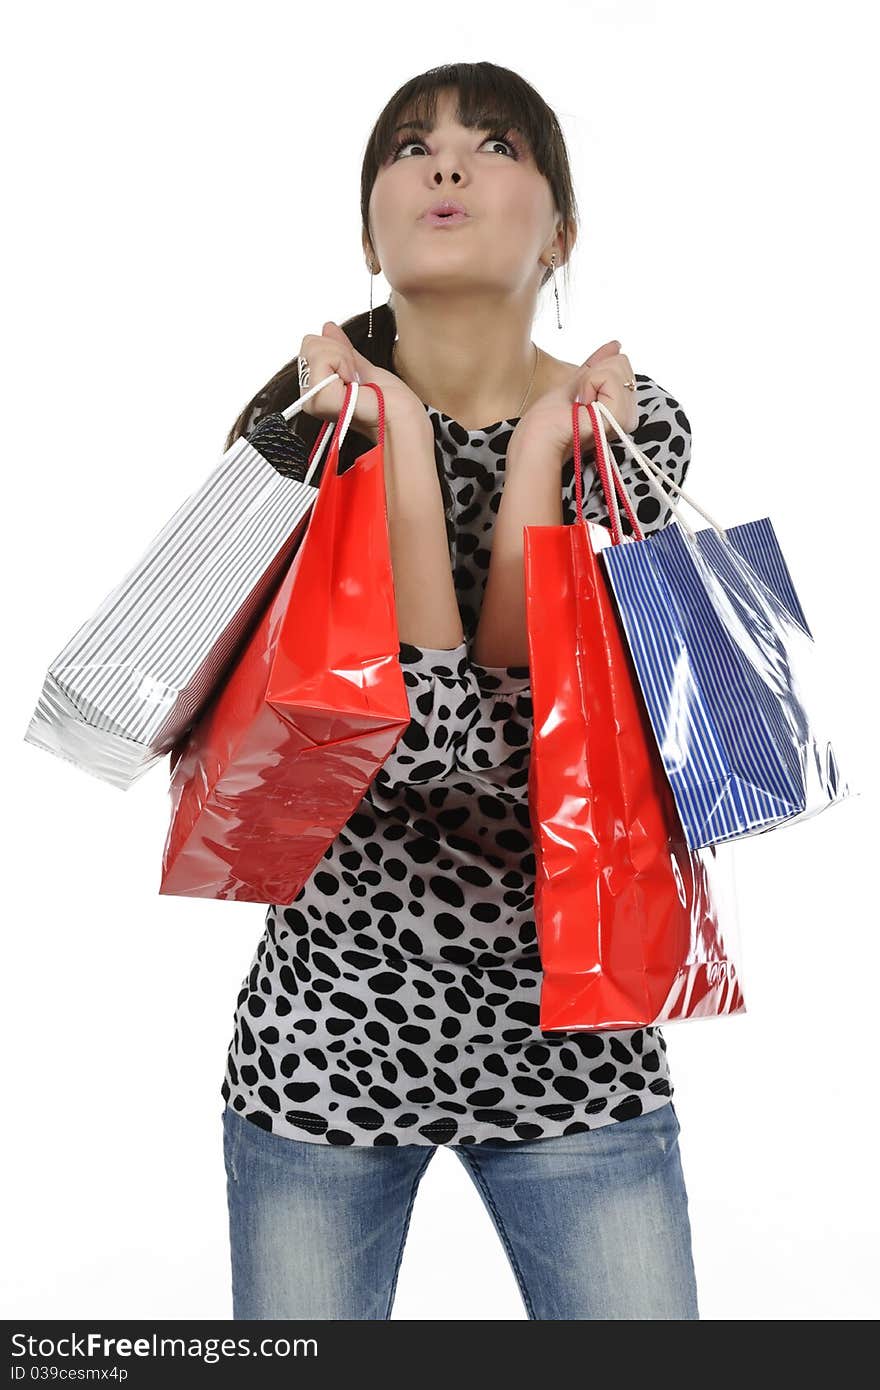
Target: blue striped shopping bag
{"points": [[726, 663]]}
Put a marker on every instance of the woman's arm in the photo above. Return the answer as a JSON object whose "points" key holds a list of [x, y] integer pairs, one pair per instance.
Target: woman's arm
{"points": [[424, 589], [464, 719], [532, 496]]}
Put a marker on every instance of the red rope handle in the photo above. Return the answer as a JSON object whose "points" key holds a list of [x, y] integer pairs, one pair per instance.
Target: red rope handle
{"points": [[606, 474], [335, 424]]}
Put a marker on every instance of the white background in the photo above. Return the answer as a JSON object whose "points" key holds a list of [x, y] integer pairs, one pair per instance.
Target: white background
{"points": [[184, 185]]}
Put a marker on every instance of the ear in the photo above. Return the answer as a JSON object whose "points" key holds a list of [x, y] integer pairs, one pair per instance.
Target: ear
{"points": [[558, 244], [369, 253]]}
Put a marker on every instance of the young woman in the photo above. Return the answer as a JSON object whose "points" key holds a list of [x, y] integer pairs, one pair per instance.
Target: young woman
{"points": [[393, 1006]]}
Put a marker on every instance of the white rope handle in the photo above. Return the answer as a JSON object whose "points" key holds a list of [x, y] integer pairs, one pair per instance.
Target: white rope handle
{"points": [[655, 476], [290, 410], [296, 406], [613, 471]]}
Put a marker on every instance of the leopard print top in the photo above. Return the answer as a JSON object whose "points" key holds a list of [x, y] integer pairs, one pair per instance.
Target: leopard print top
{"points": [[395, 1000]]}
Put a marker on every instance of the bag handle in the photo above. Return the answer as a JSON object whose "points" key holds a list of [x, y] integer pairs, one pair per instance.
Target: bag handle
{"points": [[329, 481], [608, 464], [328, 428], [607, 475], [657, 477]]}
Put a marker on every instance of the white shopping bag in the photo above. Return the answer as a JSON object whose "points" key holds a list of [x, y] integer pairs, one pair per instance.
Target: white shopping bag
{"points": [[135, 676]]}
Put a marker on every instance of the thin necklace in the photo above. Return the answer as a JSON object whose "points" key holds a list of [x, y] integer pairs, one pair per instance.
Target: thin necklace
{"points": [[525, 397], [531, 383]]}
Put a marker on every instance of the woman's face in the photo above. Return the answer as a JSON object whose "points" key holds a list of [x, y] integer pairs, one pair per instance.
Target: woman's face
{"points": [[511, 218]]}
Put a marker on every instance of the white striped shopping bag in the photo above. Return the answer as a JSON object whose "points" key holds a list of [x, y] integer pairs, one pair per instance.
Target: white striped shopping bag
{"points": [[726, 663], [135, 676]]}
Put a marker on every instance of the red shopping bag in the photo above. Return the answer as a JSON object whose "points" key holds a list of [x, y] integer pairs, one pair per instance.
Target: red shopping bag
{"points": [[627, 916], [286, 749]]}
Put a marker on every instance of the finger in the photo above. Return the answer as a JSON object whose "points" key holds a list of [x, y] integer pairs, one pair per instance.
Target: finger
{"points": [[339, 335], [343, 363], [600, 383], [362, 365], [606, 350]]}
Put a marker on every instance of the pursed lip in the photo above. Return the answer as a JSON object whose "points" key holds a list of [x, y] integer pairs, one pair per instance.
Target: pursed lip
{"points": [[446, 205]]}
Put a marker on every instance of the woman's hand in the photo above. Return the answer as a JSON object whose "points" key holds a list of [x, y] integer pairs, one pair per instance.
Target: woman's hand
{"points": [[548, 423], [332, 351]]}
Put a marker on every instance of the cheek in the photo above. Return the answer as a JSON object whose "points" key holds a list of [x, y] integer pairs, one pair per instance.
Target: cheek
{"points": [[526, 208], [520, 226], [379, 201], [388, 217]]}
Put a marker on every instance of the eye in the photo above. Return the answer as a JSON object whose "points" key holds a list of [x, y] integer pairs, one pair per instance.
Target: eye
{"points": [[404, 143], [503, 140], [411, 139]]}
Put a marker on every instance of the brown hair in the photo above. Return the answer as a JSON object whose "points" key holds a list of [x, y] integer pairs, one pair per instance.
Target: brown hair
{"points": [[489, 97]]}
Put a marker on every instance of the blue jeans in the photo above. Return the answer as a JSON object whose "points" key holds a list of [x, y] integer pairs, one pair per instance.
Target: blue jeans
{"points": [[595, 1225]]}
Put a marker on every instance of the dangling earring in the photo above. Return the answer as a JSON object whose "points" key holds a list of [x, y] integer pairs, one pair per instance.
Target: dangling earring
{"points": [[370, 330], [555, 290]]}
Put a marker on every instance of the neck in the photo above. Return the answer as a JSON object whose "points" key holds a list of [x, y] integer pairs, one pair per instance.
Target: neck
{"points": [[471, 357]]}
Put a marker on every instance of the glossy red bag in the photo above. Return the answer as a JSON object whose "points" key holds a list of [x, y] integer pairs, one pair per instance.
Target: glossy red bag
{"points": [[286, 749], [629, 920]]}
